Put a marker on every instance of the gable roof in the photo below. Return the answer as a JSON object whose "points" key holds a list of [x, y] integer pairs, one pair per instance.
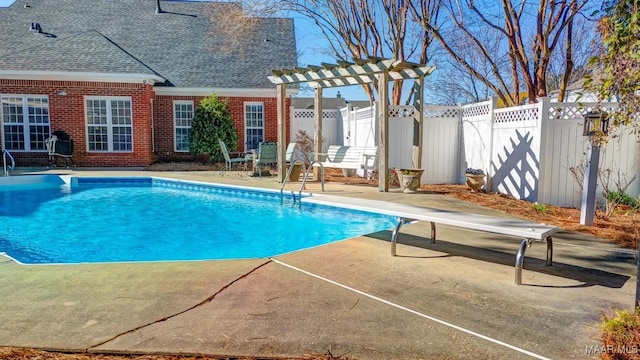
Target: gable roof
{"points": [[178, 47]]}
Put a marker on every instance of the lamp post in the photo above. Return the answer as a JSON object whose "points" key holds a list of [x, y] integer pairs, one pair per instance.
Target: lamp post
{"points": [[593, 121]]}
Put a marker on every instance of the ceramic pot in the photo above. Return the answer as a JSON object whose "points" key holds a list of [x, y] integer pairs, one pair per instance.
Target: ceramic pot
{"points": [[475, 182]]}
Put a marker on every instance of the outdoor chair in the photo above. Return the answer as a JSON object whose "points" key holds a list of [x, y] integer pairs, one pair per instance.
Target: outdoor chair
{"points": [[231, 158], [267, 156]]}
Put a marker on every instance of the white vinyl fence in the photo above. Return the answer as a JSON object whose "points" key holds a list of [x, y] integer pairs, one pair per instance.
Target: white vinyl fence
{"points": [[302, 119], [527, 151]]}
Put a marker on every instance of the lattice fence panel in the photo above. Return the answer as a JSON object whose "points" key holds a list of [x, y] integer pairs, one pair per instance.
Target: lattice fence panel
{"points": [[528, 113], [442, 112], [475, 110], [573, 111], [401, 111]]}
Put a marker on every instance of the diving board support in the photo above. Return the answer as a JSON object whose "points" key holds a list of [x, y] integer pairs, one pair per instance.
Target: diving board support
{"points": [[519, 264], [520, 256]]}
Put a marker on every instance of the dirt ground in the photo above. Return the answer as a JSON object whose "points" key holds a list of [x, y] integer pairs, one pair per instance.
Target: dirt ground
{"points": [[622, 227]]}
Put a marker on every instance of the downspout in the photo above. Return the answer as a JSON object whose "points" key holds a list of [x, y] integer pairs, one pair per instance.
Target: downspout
{"points": [[153, 134]]}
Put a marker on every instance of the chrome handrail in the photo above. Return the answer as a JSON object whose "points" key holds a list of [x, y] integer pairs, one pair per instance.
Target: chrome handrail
{"points": [[306, 175], [6, 153], [284, 182]]}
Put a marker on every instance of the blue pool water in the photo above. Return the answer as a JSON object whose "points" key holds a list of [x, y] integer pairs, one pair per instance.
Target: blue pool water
{"points": [[149, 219]]}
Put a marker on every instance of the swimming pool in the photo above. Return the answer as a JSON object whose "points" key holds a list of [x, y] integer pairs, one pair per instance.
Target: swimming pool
{"points": [[63, 219]]}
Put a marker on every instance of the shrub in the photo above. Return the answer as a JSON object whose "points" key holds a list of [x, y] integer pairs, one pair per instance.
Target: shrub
{"points": [[621, 198], [621, 335], [473, 171], [541, 208], [212, 122]]}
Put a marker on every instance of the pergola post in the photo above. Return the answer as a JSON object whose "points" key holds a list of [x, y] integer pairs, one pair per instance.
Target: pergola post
{"points": [[317, 121], [418, 115], [345, 73], [383, 131], [282, 130]]}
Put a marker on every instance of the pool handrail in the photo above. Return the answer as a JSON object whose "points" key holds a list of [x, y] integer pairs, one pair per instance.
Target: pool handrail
{"points": [[6, 153], [284, 182], [306, 175]]}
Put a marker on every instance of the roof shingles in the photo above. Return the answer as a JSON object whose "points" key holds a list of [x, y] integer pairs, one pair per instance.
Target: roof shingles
{"points": [[127, 36]]}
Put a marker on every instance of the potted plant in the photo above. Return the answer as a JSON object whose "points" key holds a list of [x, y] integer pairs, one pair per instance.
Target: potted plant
{"points": [[409, 179], [475, 178]]}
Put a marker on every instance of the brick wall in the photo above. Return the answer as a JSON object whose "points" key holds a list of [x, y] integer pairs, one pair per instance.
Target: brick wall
{"points": [[67, 113], [150, 141], [163, 121]]}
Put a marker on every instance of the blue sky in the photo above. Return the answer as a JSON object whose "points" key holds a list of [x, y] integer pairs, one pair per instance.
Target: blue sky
{"points": [[310, 44]]}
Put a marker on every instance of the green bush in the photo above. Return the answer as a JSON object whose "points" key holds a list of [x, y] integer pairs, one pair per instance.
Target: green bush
{"points": [[212, 122], [622, 198], [620, 335]]}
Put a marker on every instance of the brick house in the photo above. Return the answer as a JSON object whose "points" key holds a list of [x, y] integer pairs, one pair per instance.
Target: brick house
{"points": [[123, 77]]}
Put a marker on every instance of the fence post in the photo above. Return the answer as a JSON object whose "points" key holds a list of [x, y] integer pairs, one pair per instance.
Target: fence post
{"points": [[493, 105], [544, 160]]}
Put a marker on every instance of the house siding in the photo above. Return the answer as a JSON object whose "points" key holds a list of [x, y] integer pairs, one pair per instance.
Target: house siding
{"points": [[153, 132]]}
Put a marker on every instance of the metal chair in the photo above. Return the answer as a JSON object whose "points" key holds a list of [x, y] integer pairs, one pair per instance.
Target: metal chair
{"points": [[231, 158], [267, 156]]}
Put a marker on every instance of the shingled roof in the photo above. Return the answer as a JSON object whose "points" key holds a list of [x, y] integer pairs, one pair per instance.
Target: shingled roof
{"points": [[179, 46]]}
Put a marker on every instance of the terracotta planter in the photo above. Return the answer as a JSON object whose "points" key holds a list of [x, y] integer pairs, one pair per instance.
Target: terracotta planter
{"points": [[409, 179], [475, 182]]}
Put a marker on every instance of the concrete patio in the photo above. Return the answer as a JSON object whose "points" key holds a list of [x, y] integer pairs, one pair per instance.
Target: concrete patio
{"points": [[455, 299]]}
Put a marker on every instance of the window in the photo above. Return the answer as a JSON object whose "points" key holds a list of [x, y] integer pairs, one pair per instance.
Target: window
{"points": [[109, 124], [182, 118], [25, 121], [253, 124]]}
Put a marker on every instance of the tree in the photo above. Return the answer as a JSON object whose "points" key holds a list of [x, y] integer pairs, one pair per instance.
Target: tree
{"points": [[352, 28], [615, 71], [528, 52], [212, 122]]}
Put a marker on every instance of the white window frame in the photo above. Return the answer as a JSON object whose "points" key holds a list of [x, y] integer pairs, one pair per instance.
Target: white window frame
{"points": [[176, 126], [249, 127], [26, 124], [109, 125]]}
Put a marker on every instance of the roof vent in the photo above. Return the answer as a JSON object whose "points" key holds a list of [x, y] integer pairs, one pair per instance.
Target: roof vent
{"points": [[158, 9], [35, 27]]}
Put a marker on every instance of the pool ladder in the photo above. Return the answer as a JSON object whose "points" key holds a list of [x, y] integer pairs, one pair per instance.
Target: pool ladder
{"points": [[6, 153], [304, 179]]}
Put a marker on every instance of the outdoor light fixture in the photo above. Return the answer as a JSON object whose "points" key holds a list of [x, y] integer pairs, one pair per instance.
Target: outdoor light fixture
{"points": [[594, 120]]}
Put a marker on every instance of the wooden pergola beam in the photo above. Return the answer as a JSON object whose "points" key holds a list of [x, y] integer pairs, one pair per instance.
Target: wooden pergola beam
{"points": [[372, 70]]}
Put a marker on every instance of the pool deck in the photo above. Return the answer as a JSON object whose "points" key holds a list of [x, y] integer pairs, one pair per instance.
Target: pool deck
{"points": [[455, 299]]}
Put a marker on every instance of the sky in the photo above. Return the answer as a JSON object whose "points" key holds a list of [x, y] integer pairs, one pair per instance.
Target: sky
{"points": [[310, 45]]}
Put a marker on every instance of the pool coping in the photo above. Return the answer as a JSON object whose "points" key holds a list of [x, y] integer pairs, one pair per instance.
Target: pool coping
{"points": [[278, 311]]}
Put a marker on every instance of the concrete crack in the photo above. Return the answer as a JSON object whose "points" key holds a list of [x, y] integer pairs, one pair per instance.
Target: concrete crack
{"points": [[203, 302]]}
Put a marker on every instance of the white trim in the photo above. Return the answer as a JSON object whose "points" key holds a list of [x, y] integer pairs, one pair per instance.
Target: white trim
{"points": [[235, 92], [109, 124], [80, 76], [244, 121], [173, 120], [26, 123]]}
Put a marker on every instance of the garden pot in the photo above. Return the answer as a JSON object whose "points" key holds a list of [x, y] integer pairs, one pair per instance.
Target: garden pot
{"points": [[295, 173], [475, 182], [409, 179]]}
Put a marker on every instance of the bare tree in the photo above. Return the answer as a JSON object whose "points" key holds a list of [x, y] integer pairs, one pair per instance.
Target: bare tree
{"points": [[353, 28], [363, 28], [529, 54]]}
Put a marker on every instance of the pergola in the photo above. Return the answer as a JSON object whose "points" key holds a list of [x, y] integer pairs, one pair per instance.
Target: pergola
{"points": [[376, 71]]}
